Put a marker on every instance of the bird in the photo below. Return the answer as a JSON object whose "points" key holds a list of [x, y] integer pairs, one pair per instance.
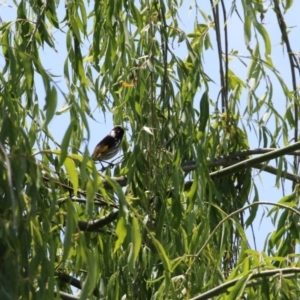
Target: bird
{"points": [[109, 146]]}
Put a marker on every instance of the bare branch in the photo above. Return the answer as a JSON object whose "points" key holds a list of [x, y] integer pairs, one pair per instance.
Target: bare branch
{"points": [[66, 296], [95, 225], [69, 279], [250, 163]]}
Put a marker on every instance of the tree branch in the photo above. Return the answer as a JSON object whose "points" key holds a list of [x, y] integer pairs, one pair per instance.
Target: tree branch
{"points": [[294, 64], [72, 281], [249, 163], [231, 160], [95, 225], [69, 279], [224, 287], [66, 296], [192, 165]]}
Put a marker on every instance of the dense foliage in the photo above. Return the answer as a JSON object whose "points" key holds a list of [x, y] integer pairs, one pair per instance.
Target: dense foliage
{"points": [[169, 220]]}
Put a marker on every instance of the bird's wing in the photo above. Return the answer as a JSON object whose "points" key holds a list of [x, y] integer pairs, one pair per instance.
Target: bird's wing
{"points": [[102, 147]]}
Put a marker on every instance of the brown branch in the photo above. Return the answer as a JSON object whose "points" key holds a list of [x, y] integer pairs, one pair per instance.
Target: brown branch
{"points": [[188, 167], [72, 281], [263, 274], [226, 53], [68, 279], [215, 11], [95, 225], [66, 296], [293, 65], [231, 159]]}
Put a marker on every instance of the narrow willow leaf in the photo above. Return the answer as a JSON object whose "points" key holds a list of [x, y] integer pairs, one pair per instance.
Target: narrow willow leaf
{"points": [[118, 190], [136, 238], [65, 144], [51, 14], [121, 232], [148, 130], [253, 209], [70, 228], [88, 285], [204, 111], [137, 16], [64, 109], [162, 253], [135, 245], [237, 290], [90, 191], [286, 200], [72, 173], [50, 106], [247, 29], [287, 5], [261, 29]]}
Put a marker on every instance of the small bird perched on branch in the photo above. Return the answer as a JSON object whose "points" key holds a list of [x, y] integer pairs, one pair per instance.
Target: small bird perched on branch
{"points": [[109, 146]]}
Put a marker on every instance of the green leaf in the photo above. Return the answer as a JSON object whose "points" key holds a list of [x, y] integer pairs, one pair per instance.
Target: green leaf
{"points": [[50, 106], [121, 232], [253, 210], [162, 253], [261, 29], [72, 173], [287, 5], [70, 229], [118, 190], [135, 245], [136, 238], [204, 111], [237, 290], [64, 109], [65, 144]]}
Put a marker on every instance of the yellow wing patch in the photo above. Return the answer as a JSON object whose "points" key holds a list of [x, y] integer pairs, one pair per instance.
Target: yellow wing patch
{"points": [[99, 150]]}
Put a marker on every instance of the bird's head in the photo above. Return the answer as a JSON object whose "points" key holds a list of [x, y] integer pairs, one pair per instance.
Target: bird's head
{"points": [[117, 132]]}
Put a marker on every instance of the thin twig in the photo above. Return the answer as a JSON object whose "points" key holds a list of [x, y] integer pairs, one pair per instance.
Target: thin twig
{"points": [[229, 217], [215, 11]]}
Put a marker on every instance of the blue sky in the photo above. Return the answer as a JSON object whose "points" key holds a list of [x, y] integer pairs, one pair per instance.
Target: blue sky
{"points": [[54, 62]]}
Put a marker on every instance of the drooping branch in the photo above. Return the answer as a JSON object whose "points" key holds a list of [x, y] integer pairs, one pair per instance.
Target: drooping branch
{"points": [[285, 272], [229, 216], [228, 160], [231, 161], [249, 163]]}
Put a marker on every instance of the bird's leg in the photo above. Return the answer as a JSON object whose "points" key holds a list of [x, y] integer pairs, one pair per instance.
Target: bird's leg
{"points": [[110, 165], [103, 168]]}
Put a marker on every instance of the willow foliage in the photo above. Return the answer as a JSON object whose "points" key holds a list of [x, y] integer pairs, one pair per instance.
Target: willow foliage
{"points": [[169, 220]]}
